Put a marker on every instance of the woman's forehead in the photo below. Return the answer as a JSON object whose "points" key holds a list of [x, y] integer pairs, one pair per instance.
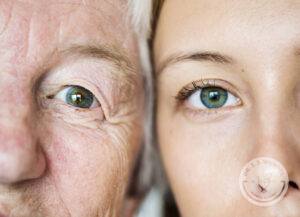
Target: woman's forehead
{"points": [[221, 14], [208, 25]]}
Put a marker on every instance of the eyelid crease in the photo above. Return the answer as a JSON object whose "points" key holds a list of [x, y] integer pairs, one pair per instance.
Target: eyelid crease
{"points": [[114, 54]]}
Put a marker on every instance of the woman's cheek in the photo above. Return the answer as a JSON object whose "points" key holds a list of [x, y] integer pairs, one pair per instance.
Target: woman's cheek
{"points": [[203, 160]]}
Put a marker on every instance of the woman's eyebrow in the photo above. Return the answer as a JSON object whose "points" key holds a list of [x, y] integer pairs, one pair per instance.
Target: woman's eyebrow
{"points": [[195, 56]]}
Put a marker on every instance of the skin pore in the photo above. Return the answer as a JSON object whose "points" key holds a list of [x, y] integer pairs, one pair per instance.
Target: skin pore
{"points": [[228, 87], [70, 114]]}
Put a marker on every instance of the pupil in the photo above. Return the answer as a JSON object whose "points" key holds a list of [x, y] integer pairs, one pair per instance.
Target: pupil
{"points": [[214, 96], [77, 98]]}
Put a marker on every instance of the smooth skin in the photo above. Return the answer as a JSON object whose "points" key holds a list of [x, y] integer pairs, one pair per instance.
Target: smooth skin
{"points": [[250, 49], [58, 157]]}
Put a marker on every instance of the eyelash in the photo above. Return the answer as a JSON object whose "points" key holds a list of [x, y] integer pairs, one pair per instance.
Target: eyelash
{"points": [[191, 88]]}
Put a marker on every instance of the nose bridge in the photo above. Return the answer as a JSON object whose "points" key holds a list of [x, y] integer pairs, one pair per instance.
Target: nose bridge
{"points": [[16, 126], [273, 100], [21, 156], [275, 137], [16, 114]]}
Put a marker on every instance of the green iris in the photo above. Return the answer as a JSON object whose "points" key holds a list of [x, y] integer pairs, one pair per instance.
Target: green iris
{"points": [[213, 97], [79, 97]]}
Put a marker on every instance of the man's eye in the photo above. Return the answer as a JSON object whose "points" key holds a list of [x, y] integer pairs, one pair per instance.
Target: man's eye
{"points": [[212, 98], [78, 96]]}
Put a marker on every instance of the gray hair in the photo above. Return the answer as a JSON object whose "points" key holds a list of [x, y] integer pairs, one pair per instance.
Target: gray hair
{"points": [[140, 17], [149, 171]]}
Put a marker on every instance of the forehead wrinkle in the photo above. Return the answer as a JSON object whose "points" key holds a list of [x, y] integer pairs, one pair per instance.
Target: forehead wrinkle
{"points": [[99, 6], [104, 9]]}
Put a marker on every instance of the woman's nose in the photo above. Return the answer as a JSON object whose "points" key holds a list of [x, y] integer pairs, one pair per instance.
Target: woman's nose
{"points": [[276, 133], [21, 156]]}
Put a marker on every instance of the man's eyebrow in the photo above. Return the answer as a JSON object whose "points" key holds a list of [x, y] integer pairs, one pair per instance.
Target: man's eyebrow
{"points": [[195, 56], [110, 53], [115, 55]]}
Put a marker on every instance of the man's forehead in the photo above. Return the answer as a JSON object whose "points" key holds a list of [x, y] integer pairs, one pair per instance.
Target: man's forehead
{"points": [[33, 30], [63, 7], [91, 3]]}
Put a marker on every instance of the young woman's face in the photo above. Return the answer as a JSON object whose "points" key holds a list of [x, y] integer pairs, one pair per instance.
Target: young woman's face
{"points": [[228, 76]]}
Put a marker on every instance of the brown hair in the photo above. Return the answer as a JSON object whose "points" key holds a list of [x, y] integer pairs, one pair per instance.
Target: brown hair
{"points": [[157, 5]]}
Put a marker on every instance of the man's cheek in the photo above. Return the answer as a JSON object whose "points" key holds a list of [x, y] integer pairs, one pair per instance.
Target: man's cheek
{"points": [[70, 147], [84, 163], [86, 137]]}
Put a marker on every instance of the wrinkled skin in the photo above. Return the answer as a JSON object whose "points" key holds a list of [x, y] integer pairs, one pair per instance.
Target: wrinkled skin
{"points": [[57, 159], [204, 150]]}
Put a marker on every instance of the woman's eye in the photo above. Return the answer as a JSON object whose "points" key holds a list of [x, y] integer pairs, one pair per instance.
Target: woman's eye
{"points": [[78, 96], [212, 98]]}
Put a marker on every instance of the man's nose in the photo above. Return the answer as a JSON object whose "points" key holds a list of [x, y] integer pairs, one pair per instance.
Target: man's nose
{"points": [[21, 156]]}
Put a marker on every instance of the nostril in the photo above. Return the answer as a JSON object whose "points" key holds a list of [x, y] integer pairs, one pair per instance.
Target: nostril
{"points": [[293, 185]]}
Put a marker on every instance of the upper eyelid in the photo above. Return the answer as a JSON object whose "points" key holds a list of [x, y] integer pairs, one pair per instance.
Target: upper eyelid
{"points": [[52, 88], [202, 83], [114, 56], [97, 75], [113, 69], [65, 86], [186, 91]]}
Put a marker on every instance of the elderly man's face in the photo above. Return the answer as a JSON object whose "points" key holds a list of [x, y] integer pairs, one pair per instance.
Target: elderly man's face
{"points": [[70, 111]]}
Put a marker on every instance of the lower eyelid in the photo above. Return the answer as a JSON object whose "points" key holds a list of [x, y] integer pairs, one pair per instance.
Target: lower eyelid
{"points": [[61, 108], [78, 117], [208, 116]]}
